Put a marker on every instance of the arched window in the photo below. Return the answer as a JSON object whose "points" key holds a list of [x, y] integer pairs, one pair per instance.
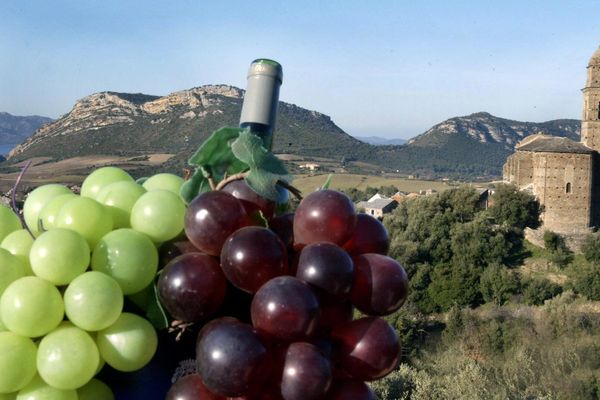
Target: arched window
{"points": [[568, 188]]}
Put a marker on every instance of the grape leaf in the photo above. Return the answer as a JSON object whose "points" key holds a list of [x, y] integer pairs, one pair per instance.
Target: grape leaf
{"points": [[215, 155], [265, 168], [155, 312], [194, 186]]}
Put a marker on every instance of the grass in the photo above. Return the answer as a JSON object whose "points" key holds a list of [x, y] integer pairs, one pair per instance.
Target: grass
{"points": [[308, 184]]}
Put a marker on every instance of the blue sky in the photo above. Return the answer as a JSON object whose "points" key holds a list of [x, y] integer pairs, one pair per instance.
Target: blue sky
{"points": [[386, 68]]}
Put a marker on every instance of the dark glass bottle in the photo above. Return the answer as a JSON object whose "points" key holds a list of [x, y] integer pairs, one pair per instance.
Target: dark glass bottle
{"points": [[262, 97]]}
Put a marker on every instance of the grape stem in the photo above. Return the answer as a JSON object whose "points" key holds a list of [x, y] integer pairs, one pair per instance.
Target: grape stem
{"points": [[14, 197], [231, 178], [295, 191], [180, 327], [211, 182]]}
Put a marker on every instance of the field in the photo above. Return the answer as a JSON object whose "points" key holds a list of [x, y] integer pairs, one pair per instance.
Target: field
{"points": [[73, 170], [308, 184]]}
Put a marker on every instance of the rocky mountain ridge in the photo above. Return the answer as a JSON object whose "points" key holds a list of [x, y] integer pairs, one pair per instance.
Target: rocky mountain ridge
{"points": [[138, 125], [488, 129]]}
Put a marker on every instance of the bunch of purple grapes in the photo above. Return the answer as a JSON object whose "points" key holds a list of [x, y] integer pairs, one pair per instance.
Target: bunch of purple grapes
{"points": [[277, 302]]}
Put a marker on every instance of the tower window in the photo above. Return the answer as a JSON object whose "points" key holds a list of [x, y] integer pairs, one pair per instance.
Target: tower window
{"points": [[568, 188]]}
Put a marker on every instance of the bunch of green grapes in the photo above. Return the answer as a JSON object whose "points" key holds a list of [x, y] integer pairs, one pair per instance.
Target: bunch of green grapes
{"points": [[63, 282]]}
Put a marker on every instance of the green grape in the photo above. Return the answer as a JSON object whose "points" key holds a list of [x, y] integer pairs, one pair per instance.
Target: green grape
{"points": [[95, 390], [127, 256], [9, 222], [59, 256], [36, 200], [31, 306], [37, 389], [119, 198], [158, 214], [2, 327], [67, 357], [164, 181], [101, 177], [87, 217], [8, 396], [48, 214], [17, 361], [128, 344], [11, 269], [93, 301], [19, 243]]}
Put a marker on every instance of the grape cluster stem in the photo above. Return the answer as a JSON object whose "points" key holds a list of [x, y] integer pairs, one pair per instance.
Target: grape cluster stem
{"points": [[14, 197]]}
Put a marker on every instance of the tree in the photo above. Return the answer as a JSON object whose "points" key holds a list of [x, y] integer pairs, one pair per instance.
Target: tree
{"points": [[539, 290], [587, 281], [515, 208], [497, 284], [559, 252], [591, 247]]}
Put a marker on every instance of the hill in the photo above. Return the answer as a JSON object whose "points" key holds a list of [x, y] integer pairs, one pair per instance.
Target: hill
{"points": [[471, 145], [137, 126], [15, 129]]}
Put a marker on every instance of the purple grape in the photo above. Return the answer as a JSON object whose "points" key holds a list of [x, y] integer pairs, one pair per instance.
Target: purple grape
{"points": [[283, 226], [327, 267], [211, 218], [370, 236], [350, 390], [380, 284], [169, 250], [324, 216], [252, 201], [229, 357], [251, 256], [191, 387], [367, 348], [192, 287], [306, 373], [285, 308], [334, 311]]}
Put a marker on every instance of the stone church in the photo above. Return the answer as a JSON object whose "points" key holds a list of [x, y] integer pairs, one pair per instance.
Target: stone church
{"points": [[563, 174]]}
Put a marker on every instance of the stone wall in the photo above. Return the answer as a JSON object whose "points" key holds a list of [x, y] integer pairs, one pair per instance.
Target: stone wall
{"points": [[563, 183], [518, 169]]}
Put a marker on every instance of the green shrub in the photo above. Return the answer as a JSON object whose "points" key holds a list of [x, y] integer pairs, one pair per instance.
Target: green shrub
{"points": [[539, 290], [591, 247], [559, 252], [498, 284], [587, 281]]}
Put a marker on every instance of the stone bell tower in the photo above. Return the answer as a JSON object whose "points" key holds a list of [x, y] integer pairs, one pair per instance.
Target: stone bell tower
{"points": [[590, 121]]}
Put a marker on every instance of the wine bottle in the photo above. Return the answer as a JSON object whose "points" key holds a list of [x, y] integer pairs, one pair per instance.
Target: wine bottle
{"points": [[262, 97]]}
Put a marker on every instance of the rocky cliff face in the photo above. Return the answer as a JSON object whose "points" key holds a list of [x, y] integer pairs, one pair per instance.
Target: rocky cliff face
{"points": [[101, 111], [137, 125], [488, 129], [15, 129], [132, 125]]}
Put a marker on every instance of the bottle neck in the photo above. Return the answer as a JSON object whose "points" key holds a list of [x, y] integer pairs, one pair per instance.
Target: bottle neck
{"points": [[265, 132]]}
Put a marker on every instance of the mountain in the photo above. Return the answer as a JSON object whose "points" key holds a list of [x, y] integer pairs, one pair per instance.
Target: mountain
{"points": [[14, 129], [137, 126], [379, 141], [472, 145], [488, 129]]}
